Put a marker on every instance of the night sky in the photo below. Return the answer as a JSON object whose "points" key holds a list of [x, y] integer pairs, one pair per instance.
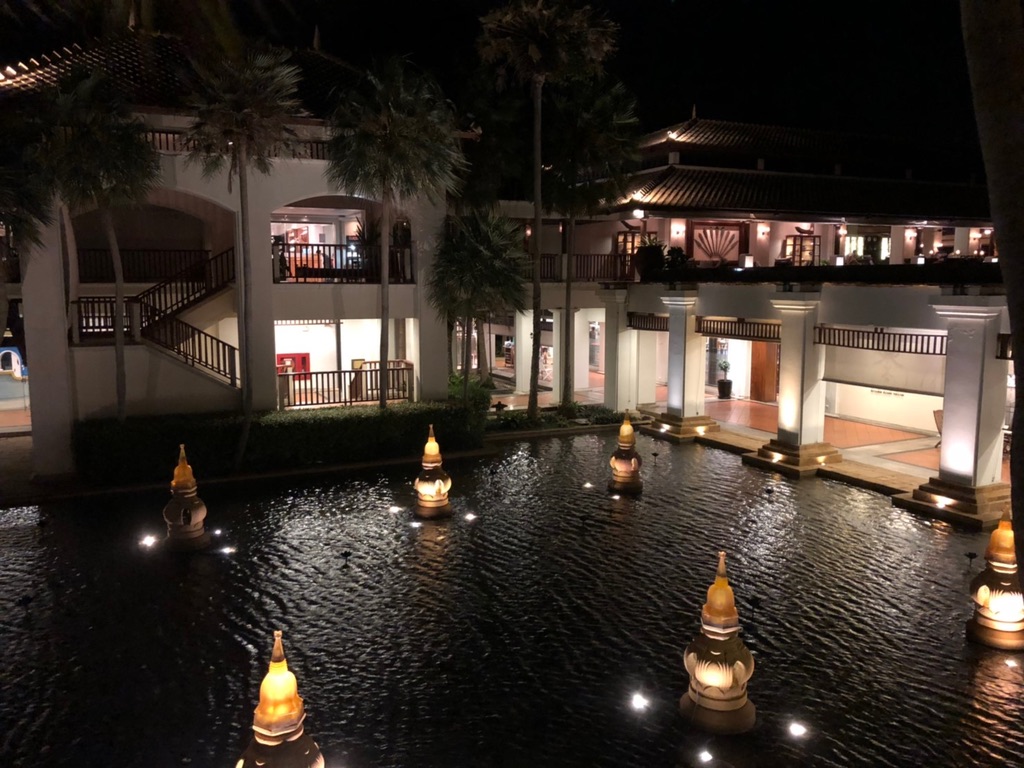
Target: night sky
{"points": [[866, 66]]}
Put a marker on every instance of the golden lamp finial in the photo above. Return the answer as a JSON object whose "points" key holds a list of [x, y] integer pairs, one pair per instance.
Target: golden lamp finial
{"points": [[626, 436], [280, 710], [1001, 543], [720, 608], [431, 451], [183, 476]]}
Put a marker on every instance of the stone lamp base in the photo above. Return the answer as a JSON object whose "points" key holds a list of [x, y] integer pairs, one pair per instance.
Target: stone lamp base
{"points": [[718, 721]]}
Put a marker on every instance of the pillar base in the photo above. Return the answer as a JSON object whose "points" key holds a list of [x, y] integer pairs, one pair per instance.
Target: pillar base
{"points": [[632, 487], [193, 543], [793, 460], [995, 638], [978, 507], [680, 429], [717, 721], [433, 512]]}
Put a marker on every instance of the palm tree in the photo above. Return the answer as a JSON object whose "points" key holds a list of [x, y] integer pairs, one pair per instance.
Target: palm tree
{"points": [[478, 268], [392, 138], [592, 147], [243, 109], [100, 157], [994, 42], [537, 43]]}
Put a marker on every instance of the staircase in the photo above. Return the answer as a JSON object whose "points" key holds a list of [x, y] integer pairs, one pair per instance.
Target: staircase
{"points": [[153, 317]]}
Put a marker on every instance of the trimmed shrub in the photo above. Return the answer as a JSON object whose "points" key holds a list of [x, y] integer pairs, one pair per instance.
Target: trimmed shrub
{"points": [[145, 448]]}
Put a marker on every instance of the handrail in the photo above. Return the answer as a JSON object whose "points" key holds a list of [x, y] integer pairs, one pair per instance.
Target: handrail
{"points": [[141, 265], [173, 142], [587, 268], [187, 287], [348, 387], [196, 347], [339, 263], [95, 318], [881, 341]]}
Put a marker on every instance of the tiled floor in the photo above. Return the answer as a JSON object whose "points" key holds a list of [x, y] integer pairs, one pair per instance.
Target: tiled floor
{"points": [[929, 459]]}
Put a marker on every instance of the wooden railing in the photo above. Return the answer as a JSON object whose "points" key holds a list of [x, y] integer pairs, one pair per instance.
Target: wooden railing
{"points": [[340, 263], [140, 265], [881, 341], [588, 268], [751, 330], [645, 321], [196, 347], [95, 318], [187, 287], [351, 387], [173, 142]]}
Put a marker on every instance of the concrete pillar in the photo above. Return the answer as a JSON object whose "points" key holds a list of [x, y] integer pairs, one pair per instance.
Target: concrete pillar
{"points": [[962, 241], [931, 238], [899, 245], [425, 220], [799, 448], [50, 385], [558, 350], [647, 367], [262, 342], [684, 417], [581, 351], [777, 240], [828, 242], [759, 240], [969, 488], [524, 348], [614, 330]]}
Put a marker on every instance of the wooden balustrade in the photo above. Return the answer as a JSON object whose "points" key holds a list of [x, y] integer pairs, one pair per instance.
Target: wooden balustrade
{"points": [[339, 263], [349, 387], [174, 143], [140, 265]]}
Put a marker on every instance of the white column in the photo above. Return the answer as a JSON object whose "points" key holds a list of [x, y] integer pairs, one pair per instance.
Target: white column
{"points": [[931, 238], [777, 240], [425, 219], [686, 360], [46, 339], [261, 332], [614, 325], [974, 394], [897, 245], [558, 350], [628, 368], [581, 351], [801, 366], [828, 242], [962, 241], [647, 367], [524, 348]]}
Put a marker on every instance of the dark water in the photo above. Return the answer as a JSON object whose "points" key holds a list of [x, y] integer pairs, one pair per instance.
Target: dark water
{"points": [[515, 639]]}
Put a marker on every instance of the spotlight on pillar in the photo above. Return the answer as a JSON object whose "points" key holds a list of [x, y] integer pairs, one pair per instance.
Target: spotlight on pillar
{"points": [[279, 740], [998, 619], [719, 665], [433, 483], [625, 462], [185, 513]]}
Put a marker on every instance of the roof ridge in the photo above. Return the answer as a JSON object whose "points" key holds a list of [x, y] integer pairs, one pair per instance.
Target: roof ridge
{"points": [[805, 174]]}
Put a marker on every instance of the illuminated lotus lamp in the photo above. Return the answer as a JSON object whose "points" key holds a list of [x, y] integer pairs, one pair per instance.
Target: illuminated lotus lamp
{"points": [[433, 483], [185, 513], [998, 619], [625, 462], [279, 740], [719, 665]]}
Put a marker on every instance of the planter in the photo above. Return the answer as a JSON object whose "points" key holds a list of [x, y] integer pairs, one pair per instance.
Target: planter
{"points": [[650, 262], [724, 389]]}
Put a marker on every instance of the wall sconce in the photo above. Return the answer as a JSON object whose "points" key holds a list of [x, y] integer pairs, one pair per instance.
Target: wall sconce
{"points": [[763, 230], [842, 230], [911, 233], [560, 227], [975, 235], [679, 230], [638, 213], [986, 232], [529, 230]]}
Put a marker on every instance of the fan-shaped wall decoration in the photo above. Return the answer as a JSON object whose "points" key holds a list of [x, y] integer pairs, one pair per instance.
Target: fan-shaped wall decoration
{"points": [[717, 242]]}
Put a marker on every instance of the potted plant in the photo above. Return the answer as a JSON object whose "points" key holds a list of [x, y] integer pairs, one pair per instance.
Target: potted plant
{"points": [[724, 383], [650, 258], [677, 262]]}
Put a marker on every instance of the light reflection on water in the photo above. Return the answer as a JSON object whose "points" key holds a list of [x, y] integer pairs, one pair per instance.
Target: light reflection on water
{"points": [[519, 637]]}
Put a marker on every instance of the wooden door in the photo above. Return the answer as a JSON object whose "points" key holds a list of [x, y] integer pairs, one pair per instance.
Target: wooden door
{"points": [[764, 366]]}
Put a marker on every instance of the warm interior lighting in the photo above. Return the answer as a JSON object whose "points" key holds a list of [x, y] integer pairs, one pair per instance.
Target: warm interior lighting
{"points": [[987, 232], [842, 230], [763, 230]]}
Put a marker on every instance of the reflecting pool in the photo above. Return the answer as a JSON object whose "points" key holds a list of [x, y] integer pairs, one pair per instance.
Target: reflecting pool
{"points": [[518, 633]]}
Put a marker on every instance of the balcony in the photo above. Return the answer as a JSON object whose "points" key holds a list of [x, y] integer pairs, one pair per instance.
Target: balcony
{"points": [[174, 143], [140, 265], [340, 263], [351, 387], [588, 268]]}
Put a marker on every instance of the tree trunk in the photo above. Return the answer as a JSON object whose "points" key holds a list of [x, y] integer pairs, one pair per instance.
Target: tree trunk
{"points": [[4, 304], [536, 88], [569, 319], [467, 356], [121, 383], [245, 327], [994, 43], [450, 324], [483, 353], [71, 258], [385, 292]]}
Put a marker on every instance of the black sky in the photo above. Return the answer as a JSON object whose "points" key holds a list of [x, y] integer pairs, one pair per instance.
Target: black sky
{"points": [[892, 67]]}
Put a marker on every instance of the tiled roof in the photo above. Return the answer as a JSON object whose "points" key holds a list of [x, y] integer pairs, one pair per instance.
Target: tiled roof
{"points": [[153, 71], [763, 193], [777, 141]]}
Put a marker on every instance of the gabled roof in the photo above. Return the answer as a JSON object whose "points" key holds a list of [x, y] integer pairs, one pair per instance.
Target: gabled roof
{"points": [[771, 141], [696, 190], [154, 71]]}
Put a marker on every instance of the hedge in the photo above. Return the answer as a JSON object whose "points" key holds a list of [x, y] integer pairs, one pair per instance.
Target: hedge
{"points": [[145, 449]]}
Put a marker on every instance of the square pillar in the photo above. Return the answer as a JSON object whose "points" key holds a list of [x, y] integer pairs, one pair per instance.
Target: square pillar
{"points": [[969, 488], [614, 326], [581, 351], [558, 351], [799, 448], [647, 367], [898, 245], [524, 348], [683, 419]]}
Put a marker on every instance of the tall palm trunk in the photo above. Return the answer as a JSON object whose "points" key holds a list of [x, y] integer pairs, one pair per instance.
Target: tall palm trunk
{"points": [[245, 327], [71, 256], [569, 318], [536, 89], [385, 292], [467, 356], [121, 384], [483, 353], [994, 43]]}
